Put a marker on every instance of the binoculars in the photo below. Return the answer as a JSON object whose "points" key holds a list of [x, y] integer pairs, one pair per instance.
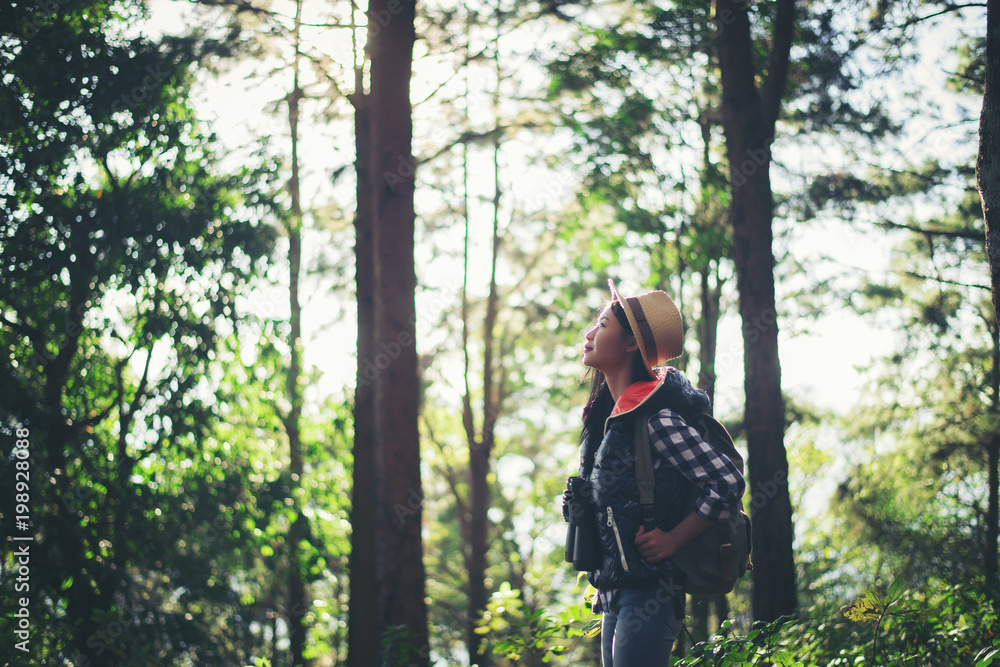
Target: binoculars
{"points": [[583, 546]]}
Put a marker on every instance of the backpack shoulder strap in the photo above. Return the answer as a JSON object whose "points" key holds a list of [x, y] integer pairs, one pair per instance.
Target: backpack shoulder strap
{"points": [[644, 468], [711, 431]]}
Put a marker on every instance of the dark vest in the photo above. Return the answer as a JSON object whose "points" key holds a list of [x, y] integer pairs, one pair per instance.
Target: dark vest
{"points": [[610, 467], [615, 497]]}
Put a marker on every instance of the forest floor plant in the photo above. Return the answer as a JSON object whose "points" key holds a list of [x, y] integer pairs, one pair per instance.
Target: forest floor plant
{"points": [[938, 626], [873, 607], [949, 627]]}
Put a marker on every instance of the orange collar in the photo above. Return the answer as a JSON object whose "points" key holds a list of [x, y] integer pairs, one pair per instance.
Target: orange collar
{"points": [[635, 395]]}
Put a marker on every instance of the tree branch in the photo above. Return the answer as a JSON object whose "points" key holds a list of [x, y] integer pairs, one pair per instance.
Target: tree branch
{"points": [[450, 476], [466, 138], [948, 9], [33, 335], [774, 86], [465, 61], [943, 281], [973, 234]]}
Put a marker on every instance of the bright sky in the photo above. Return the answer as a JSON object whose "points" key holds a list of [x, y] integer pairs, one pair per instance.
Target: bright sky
{"points": [[824, 365]]}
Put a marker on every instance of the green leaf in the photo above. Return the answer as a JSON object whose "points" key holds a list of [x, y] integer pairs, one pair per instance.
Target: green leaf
{"points": [[986, 656], [783, 658], [861, 609], [896, 589]]}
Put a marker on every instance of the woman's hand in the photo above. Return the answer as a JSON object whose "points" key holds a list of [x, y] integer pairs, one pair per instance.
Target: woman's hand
{"points": [[655, 545]]}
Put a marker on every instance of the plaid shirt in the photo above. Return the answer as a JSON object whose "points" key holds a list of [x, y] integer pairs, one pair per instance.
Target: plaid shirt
{"points": [[682, 447]]}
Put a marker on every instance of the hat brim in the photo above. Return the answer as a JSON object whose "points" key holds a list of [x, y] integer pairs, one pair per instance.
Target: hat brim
{"points": [[656, 323], [633, 323]]}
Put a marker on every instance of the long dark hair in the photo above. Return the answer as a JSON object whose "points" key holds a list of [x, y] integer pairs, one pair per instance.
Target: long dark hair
{"points": [[600, 403]]}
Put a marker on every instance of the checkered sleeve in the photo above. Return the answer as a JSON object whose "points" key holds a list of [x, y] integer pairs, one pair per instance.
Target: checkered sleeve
{"points": [[681, 446]]}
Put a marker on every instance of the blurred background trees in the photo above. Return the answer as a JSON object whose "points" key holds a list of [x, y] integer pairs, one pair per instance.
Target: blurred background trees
{"points": [[301, 372]]}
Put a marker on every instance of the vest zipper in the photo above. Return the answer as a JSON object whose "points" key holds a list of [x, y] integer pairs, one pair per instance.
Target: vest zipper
{"points": [[618, 537]]}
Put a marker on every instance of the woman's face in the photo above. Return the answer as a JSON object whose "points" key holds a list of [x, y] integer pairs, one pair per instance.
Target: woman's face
{"points": [[607, 346]]}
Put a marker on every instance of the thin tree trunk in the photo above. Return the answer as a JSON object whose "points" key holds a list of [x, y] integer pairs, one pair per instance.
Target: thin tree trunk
{"points": [[481, 448], [363, 621], [475, 583], [708, 330], [298, 602], [480, 452], [698, 606], [749, 121], [399, 551], [708, 326], [708, 335]]}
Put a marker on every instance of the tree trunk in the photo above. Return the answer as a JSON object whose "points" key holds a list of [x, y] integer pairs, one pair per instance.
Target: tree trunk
{"points": [[749, 120], [90, 588], [698, 606], [708, 328], [298, 603], [402, 608], [480, 452], [993, 464], [988, 161], [363, 622], [988, 182]]}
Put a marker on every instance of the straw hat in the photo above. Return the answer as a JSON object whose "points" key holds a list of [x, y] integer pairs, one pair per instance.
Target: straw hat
{"points": [[656, 324]]}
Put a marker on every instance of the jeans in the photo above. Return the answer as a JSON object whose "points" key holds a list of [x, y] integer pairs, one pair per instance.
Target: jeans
{"points": [[639, 629]]}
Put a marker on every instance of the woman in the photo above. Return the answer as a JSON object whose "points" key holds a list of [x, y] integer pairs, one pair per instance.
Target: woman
{"points": [[640, 591]]}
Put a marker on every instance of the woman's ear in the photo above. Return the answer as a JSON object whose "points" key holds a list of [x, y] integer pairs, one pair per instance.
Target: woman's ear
{"points": [[631, 345]]}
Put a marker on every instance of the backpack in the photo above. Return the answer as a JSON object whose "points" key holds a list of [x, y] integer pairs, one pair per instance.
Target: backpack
{"points": [[714, 560]]}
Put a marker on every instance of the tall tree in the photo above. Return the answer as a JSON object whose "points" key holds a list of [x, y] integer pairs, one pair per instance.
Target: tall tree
{"points": [[363, 624], [749, 116], [481, 447], [402, 607], [988, 180], [298, 600]]}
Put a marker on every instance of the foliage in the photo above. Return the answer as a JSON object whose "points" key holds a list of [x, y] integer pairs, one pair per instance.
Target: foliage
{"points": [[942, 626], [516, 630], [950, 626], [124, 254], [873, 607], [154, 400], [763, 645]]}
